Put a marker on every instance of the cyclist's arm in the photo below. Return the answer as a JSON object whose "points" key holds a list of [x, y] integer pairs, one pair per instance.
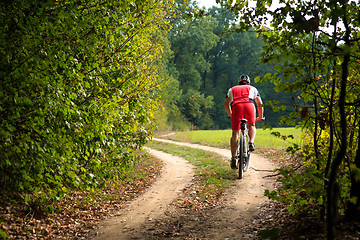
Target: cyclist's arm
{"points": [[260, 108], [227, 106]]}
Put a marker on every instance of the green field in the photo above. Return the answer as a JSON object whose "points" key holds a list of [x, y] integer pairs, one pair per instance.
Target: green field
{"points": [[221, 138]]}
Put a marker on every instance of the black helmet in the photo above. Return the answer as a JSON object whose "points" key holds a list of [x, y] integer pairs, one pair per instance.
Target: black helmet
{"points": [[244, 79]]}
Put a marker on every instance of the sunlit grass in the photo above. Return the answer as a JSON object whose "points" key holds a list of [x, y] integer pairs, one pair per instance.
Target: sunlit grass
{"points": [[265, 139], [221, 138]]}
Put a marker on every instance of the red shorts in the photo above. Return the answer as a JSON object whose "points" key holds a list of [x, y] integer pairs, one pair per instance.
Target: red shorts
{"points": [[242, 110]]}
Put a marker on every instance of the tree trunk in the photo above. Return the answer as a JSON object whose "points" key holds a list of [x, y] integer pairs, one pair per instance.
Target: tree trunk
{"points": [[332, 190], [331, 140], [353, 209]]}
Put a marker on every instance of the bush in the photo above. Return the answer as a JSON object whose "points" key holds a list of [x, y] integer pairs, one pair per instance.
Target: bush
{"points": [[77, 92]]}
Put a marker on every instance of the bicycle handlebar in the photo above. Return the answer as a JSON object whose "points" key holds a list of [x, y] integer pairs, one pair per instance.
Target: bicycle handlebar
{"points": [[260, 119]]}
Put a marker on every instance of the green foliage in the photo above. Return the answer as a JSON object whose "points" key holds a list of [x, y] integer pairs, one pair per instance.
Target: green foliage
{"points": [[195, 106], [78, 91], [301, 192], [317, 61], [3, 235], [191, 39]]}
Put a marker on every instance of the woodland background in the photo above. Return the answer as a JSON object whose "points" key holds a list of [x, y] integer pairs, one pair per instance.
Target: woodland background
{"points": [[84, 85]]}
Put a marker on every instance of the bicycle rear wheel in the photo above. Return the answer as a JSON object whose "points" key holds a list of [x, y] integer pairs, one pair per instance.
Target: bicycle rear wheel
{"points": [[246, 153], [241, 156]]}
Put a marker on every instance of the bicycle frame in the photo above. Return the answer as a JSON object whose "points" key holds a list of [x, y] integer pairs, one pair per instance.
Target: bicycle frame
{"points": [[243, 153]]}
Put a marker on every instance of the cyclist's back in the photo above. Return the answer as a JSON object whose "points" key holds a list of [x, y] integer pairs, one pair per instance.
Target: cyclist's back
{"points": [[243, 98], [242, 93]]}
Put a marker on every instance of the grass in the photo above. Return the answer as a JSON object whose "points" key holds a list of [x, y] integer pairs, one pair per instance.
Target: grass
{"points": [[221, 138], [266, 139]]}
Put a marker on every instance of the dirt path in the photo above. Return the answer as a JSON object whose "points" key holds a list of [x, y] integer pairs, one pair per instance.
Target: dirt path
{"points": [[176, 175], [152, 216]]}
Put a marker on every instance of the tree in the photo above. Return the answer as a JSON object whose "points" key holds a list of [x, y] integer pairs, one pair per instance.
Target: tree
{"points": [[191, 38], [317, 53], [237, 53]]}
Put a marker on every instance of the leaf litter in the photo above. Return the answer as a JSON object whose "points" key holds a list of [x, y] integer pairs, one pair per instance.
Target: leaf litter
{"points": [[78, 212]]}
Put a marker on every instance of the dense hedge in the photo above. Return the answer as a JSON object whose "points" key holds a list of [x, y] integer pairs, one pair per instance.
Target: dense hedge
{"points": [[78, 90]]}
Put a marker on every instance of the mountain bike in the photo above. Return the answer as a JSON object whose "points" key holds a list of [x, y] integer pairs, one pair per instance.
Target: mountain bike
{"points": [[243, 152]]}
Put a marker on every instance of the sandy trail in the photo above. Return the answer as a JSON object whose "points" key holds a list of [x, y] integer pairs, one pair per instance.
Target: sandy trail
{"points": [[153, 203], [224, 223]]}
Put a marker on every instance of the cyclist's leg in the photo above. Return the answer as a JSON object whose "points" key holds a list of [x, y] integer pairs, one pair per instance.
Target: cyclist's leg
{"points": [[252, 133], [234, 141], [235, 126], [250, 116]]}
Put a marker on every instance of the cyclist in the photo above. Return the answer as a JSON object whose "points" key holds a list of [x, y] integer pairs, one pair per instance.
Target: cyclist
{"points": [[243, 96]]}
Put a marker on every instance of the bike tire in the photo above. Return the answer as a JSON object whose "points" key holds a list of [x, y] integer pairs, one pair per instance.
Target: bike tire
{"points": [[241, 157], [247, 155]]}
